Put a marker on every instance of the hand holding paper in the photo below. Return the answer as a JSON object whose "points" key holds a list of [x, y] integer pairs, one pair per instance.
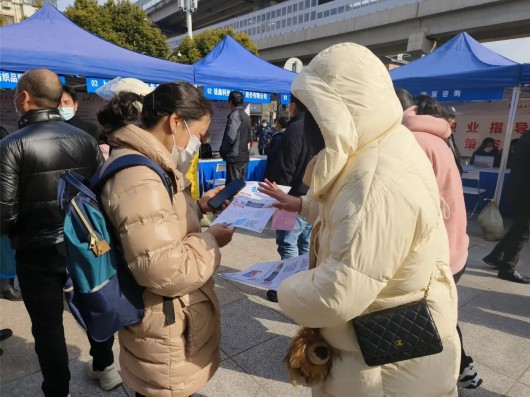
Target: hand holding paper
{"points": [[250, 209], [284, 201]]}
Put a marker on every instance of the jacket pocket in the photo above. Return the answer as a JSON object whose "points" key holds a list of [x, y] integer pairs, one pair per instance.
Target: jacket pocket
{"points": [[201, 326]]}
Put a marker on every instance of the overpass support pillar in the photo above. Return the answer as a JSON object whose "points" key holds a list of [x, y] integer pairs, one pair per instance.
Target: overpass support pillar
{"points": [[418, 45]]}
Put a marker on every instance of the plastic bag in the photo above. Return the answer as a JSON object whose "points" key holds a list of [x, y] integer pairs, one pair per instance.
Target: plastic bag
{"points": [[490, 222]]}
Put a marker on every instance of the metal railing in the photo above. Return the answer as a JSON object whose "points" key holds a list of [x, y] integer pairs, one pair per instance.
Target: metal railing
{"points": [[297, 15]]}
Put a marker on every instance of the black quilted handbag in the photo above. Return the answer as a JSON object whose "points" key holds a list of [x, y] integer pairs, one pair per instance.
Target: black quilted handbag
{"points": [[398, 333]]}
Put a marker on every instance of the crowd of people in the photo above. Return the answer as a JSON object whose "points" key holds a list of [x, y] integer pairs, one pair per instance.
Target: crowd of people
{"points": [[380, 213]]}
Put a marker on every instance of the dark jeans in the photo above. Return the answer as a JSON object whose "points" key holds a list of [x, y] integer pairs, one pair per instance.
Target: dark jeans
{"points": [[465, 360], [296, 242], [236, 171], [506, 252], [41, 275]]}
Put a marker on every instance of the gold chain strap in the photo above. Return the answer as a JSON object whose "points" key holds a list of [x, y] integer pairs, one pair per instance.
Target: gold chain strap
{"points": [[428, 286]]}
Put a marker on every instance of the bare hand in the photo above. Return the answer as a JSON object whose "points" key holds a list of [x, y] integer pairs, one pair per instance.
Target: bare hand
{"points": [[222, 233], [285, 202], [203, 201]]}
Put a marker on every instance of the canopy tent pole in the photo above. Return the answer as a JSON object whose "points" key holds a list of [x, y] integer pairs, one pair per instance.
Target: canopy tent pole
{"points": [[506, 145]]}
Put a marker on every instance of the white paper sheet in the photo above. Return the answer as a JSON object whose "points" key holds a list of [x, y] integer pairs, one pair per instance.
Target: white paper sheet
{"points": [[269, 275], [249, 209]]}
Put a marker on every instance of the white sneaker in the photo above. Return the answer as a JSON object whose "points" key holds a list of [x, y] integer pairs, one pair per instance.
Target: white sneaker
{"points": [[109, 378], [469, 378]]}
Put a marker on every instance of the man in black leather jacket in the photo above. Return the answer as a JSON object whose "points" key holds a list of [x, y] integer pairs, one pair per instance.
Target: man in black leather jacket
{"points": [[234, 149], [32, 160]]}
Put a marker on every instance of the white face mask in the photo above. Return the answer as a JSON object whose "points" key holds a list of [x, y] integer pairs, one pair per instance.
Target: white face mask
{"points": [[67, 113], [183, 157], [488, 149]]}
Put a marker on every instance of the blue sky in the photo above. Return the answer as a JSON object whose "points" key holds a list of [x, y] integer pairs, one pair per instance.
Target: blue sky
{"points": [[517, 49]]}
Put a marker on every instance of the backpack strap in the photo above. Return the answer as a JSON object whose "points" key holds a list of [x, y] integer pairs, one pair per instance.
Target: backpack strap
{"points": [[134, 160], [130, 160], [169, 310]]}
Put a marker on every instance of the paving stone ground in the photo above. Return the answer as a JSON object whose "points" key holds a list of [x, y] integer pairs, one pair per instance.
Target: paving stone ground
{"points": [[494, 318]]}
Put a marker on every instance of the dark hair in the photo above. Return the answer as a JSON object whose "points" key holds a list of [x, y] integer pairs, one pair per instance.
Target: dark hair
{"points": [[180, 98], [69, 90], [282, 121], [486, 142], [405, 98], [44, 87], [121, 110], [297, 102], [428, 105], [449, 112], [312, 133], [235, 98]]}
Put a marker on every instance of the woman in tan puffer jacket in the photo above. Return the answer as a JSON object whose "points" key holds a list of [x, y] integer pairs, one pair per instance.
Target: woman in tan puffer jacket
{"points": [[162, 241]]}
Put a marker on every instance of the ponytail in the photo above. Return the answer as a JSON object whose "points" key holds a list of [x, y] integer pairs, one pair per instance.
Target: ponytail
{"points": [[125, 108]]}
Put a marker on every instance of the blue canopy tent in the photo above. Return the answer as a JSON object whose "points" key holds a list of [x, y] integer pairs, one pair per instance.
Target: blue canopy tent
{"points": [[50, 40], [231, 65], [525, 73], [463, 70], [460, 70]]}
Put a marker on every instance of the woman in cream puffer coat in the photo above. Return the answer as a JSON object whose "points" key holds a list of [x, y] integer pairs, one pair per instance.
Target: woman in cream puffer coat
{"points": [[379, 234]]}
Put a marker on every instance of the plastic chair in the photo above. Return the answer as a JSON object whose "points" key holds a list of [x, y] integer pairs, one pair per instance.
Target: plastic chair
{"points": [[219, 167], [473, 190]]}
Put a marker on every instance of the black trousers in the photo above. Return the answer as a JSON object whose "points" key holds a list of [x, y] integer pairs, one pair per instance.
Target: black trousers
{"points": [[506, 252], [236, 171], [465, 360], [41, 275]]}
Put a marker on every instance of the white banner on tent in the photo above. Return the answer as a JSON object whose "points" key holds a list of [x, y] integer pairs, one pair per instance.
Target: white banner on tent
{"points": [[221, 110], [479, 120]]}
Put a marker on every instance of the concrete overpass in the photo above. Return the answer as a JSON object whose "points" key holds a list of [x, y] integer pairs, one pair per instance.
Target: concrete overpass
{"points": [[166, 16], [413, 28], [296, 28]]}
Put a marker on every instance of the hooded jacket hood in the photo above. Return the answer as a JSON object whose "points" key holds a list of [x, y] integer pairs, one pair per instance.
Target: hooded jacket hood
{"points": [[350, 94]]}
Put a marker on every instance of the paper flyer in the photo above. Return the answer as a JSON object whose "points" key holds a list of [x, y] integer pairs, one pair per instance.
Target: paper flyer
{"points": [[249, 209], [269, 275]]}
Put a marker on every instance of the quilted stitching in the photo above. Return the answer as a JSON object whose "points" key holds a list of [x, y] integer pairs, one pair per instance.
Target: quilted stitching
{"points": [[397, 334]]}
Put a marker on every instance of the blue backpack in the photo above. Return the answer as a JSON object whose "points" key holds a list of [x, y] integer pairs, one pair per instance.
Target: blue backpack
{"points": [[101, 292]]}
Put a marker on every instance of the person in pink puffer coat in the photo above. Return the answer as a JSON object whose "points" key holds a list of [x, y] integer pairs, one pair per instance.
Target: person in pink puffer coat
{"points": [[424, 117]]}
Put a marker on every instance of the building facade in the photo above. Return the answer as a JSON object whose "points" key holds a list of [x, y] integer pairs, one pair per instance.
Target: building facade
{"points": [[15, 11]]}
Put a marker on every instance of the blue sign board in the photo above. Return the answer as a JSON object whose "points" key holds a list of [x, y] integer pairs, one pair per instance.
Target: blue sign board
{"points": [[286, 99], [455, 95], [10, 79], [93, 83], [221, 94]]}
